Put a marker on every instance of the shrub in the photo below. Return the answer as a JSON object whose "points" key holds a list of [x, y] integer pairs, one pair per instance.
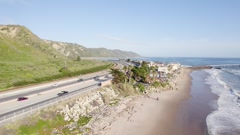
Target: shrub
{"points": [[141, 87], [23, 82], [156, 84], [78, 58], [64, 73], [126, 89], [83, 120]]}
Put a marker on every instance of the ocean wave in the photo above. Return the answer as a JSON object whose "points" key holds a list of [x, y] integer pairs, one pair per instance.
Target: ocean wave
{"points": [[226, 119]]}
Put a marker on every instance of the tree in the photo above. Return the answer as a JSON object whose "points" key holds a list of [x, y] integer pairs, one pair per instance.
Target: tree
{"points": [[119, 77], [78, 58], [141, 73]]}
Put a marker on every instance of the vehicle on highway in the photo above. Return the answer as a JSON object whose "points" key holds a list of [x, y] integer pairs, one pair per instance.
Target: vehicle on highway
{"points": [[96, 78], [22, 98], [80, 80], [62, 93], [55, 84]]}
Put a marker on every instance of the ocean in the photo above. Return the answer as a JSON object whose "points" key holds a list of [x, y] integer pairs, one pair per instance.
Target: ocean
{"points": [[214, 106]]}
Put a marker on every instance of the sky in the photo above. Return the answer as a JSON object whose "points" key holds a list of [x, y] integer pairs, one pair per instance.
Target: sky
{"points": [[152, 28]]}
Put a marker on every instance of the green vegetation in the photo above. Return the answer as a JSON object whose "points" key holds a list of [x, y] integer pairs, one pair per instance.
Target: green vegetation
{"points": [[139, 77], [78, 58], [159, 84], [64, 73], [141, 74], [156, 84], [40, 127], [126, 89], [141, 87], [75, 50], [83, 121], [26, 59], [45, 127], [114, 102], [119, 77]]}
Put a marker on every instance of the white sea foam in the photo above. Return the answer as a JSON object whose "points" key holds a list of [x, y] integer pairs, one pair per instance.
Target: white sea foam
{"points": [[226, 119]]}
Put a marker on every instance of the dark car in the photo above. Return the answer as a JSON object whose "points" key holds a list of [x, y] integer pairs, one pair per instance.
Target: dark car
{"points": [[62, 93], [80, 80], [22, 98], [96, 78]]}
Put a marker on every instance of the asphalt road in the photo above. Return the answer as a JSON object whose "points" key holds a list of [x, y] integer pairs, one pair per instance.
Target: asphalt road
{"points": [[14, 105], [38, 89], [46, 92]]}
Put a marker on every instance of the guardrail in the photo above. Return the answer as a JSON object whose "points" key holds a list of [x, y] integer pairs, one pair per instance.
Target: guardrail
{"points": [[47, 87], [23, 112]]}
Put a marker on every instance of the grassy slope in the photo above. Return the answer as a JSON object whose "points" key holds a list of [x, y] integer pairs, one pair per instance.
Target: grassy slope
{"points": [[26, 57]]}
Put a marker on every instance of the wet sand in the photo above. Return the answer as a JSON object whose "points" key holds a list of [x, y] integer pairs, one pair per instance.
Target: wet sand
{"points": [[191, 118]]}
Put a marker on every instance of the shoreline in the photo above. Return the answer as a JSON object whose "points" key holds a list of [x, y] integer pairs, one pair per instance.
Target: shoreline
{"points": [[194, 111], [143, 115]]}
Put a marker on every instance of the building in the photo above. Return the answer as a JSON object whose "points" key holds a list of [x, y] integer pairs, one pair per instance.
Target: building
{"points": [[163, 69], [174, 66]]}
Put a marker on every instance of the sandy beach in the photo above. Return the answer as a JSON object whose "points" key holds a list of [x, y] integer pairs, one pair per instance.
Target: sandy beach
{"points": [[152, 114]]}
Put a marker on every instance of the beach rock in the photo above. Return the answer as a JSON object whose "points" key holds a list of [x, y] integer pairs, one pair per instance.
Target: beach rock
{"points": [[86, 105], [72, 126], [56, 132]]}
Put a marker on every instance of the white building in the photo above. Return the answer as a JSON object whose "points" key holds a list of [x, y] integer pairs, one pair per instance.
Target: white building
{"points": [[174, 66], [163, 69], [150, 64]]}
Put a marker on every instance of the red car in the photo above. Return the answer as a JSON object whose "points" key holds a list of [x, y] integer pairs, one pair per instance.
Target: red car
{"points": [[22, 98]]}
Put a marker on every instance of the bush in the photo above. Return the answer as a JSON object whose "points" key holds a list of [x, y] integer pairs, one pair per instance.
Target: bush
{"points": [[141, 87], [63, 70], [78, 58], [156, 84], [126, 89], [83, 121], [64, 73], [23, 82], [164, 84]]}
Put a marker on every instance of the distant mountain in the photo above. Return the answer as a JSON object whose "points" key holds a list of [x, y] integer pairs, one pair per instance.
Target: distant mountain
{"points": [[74, 50], [20, 38], [27, 59]]}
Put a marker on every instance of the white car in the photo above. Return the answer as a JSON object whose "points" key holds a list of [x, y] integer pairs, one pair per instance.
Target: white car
{"points": [[55, 84]]}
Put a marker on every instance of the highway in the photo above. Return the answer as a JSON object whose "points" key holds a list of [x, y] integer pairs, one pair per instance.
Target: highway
{"points": [[45, 92], [45, 87]]}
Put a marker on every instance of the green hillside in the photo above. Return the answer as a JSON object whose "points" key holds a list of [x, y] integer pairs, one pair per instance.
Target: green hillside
{"points": [[26, 59]]}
